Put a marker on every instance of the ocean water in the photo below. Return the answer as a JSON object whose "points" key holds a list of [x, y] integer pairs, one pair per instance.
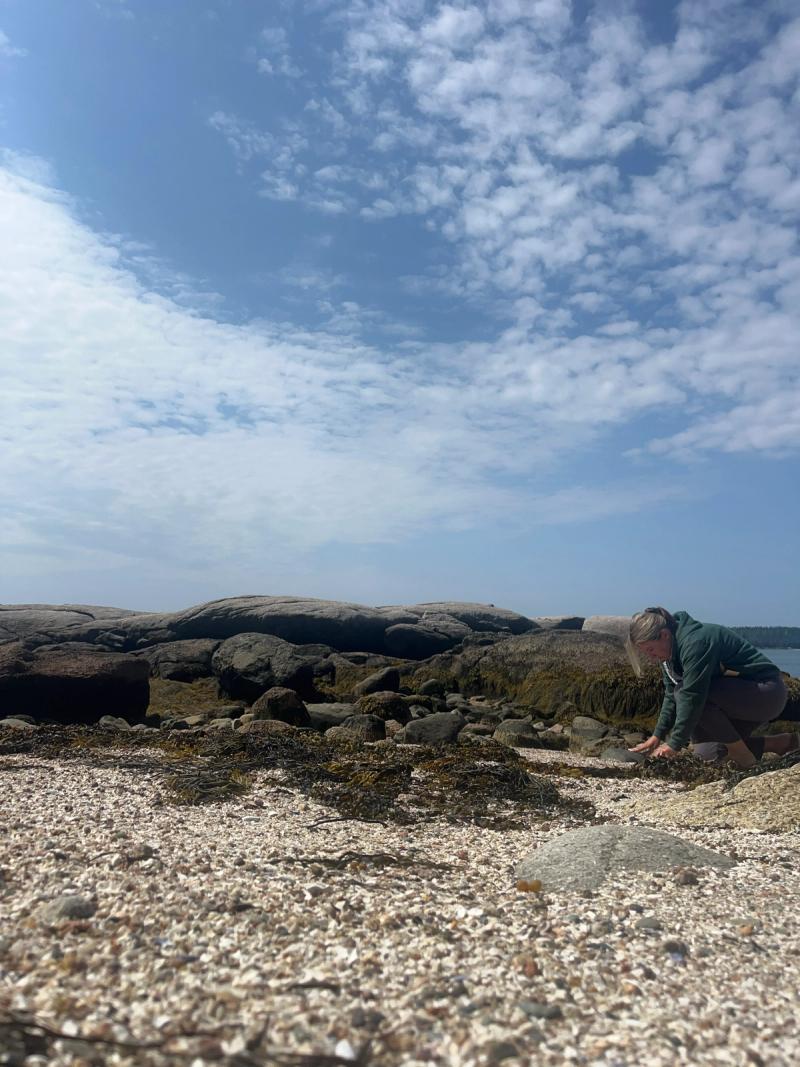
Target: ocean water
{"points": [[788, 659]]}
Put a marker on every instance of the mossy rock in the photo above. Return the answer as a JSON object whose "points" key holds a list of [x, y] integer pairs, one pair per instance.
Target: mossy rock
{"points": [[177, 699], [347, 674], [547, 670]]}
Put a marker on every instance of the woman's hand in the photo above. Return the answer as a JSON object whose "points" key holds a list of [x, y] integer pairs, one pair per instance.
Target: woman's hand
{"points": [[649, 745], [664, 752]]}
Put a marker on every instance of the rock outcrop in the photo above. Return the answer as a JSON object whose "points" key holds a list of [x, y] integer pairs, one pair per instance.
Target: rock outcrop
{"points": [[72, 683], [248, 664], [51, 620], [560, 673], [615, 625], [558, 622], [769, 802], [181, 661], [413, 632]]}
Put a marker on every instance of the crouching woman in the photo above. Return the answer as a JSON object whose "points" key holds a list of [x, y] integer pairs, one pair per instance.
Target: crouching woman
{"points": [[718, 689]]}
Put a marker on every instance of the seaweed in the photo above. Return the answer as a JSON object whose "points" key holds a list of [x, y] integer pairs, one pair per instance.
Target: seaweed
{"points": [[202, 784], [690, 771], [490, 785]]}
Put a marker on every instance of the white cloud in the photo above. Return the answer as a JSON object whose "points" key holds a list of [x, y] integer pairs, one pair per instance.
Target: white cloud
{"points": [[626, 210], [8, 50], [273, 57], [244, 138], [132, 426]]}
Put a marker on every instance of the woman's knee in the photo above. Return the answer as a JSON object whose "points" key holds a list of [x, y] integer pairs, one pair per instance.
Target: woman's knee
{"points": [[710, 751]]}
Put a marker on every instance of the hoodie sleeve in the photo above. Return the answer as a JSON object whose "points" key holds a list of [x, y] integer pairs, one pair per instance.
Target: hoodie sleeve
{"points": [[666, 716], [700, 660]]}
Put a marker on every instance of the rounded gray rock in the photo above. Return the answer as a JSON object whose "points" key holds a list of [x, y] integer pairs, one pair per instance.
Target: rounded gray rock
{"points": [[69, 906], [585, 858]]}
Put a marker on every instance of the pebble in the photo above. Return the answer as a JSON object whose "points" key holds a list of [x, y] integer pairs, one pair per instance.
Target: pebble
{"points": [[69, 906], [497, 1051], [686, 878], [648, 922], [676, 948], [540, 1011]]}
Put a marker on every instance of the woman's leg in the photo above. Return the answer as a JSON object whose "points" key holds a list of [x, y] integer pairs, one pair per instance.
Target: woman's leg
{"points": [[735, 707]]}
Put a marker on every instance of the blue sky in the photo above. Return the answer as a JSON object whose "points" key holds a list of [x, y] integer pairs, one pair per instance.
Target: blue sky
{"points": [[397, 301]]}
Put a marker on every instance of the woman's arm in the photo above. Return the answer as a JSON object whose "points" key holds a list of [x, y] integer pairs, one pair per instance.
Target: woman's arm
{"points": [[700, 660], [666, 716]]}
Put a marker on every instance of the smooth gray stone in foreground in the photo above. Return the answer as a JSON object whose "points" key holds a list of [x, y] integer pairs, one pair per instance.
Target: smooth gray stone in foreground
{"points": [[585, 858]]}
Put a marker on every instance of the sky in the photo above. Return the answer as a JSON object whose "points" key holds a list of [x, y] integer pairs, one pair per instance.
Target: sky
{"points": [[390, 301]]}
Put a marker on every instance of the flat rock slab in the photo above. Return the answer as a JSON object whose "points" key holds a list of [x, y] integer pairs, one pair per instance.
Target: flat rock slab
{"points": [[768, 802], [585, 858]]}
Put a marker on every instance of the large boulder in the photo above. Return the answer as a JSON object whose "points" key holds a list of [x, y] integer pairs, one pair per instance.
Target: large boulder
{"points": [[615, 625], [299, 620], [72, 683], [249, 664], [386, 680], [517, 733], [181, 661], [440, 728], [585, 858], [769, 802], [50, 620], [416, 641], [587, 735], [559, 622], [559, 673], [323, 716], [385, 706], [281, 705], [477, 616]]}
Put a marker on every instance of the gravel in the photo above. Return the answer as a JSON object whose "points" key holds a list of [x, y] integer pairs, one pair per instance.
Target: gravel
{"points": [[242, 934]]}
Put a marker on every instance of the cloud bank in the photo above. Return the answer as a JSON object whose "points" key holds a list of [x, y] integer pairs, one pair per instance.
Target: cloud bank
{"points": [[622, 207]]}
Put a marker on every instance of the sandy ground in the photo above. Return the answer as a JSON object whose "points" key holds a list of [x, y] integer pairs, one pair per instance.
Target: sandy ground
{"points": [[243, 933]]}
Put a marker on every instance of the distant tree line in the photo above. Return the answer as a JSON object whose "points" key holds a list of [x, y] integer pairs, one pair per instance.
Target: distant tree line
{"points": [[770, 636]]}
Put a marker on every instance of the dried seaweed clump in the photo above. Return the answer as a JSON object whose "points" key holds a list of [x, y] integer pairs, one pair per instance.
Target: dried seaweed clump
{"points": [[481, 789], [200, 784], [690, 771]]}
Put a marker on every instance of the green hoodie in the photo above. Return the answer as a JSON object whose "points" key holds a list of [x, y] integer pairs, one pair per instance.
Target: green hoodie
{"points": [[701, 652]]}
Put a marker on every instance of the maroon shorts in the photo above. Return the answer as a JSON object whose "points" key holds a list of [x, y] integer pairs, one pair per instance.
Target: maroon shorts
{"points": [[735, 707]]}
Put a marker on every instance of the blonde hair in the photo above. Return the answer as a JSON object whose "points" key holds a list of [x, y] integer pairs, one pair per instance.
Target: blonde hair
{"points": [[647, 625]]}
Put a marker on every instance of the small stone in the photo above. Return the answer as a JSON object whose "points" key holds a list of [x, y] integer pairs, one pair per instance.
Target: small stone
{"points": [[602, 926], [113, 722], [70, 906], [497, 1051], [527, 965], [14, 722], [532, 885], [676, 948], [139, 852], [648, 922], [366, 1018], [537, 1010]]}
